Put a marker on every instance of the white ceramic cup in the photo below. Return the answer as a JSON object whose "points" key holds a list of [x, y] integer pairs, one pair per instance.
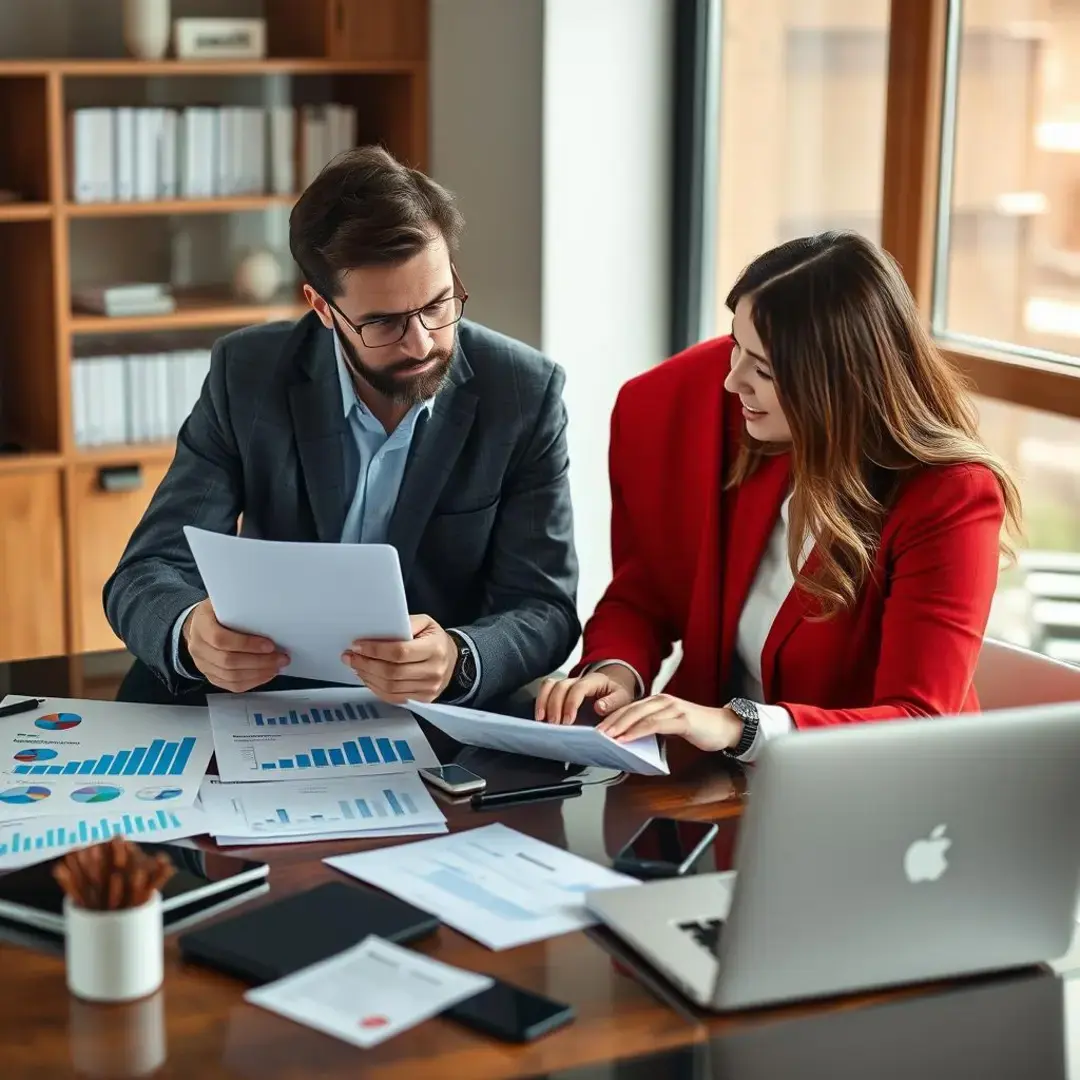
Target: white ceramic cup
{"points": [[146, 28], [114, 955]]}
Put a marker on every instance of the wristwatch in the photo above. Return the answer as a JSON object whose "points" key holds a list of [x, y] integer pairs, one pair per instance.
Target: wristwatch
{"points": [[747, 712], [463, 678]]}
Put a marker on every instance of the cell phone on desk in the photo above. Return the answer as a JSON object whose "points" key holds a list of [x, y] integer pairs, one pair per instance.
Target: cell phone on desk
{"points": [[510, 1013], [454, 779], [665, 847]]}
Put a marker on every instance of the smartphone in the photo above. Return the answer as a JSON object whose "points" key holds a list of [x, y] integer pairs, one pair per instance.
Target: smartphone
{"points": [[510, 1013], [665, 847], [454, 779]]}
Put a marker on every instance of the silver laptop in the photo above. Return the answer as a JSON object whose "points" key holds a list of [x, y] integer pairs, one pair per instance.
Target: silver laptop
{"points": [[872, 855]]}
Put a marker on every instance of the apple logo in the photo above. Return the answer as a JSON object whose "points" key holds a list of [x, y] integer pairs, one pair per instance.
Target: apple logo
{"points": [[925, 859]]}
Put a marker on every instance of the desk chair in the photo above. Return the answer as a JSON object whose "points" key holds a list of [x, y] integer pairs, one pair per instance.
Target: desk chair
{"points": [[1008, 677]]}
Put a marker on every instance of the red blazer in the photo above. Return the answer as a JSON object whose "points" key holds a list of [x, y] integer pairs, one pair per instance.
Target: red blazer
{"points": [[685, 553]]}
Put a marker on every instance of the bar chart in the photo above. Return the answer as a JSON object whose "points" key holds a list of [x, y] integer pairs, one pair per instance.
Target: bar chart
{"points": [[69, 833], [324, 806], [290, 736], [159, 757], [361, 751], [347, 710]]}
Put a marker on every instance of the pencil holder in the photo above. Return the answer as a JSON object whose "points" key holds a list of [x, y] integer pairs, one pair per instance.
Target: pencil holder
{"points": [[114, 955]]}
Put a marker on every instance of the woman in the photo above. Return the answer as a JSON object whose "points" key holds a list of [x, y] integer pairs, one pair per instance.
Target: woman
{"points": [[823, 538]]}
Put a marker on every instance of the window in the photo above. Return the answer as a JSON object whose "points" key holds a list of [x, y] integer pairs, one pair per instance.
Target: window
{"points": [[801, 125], [1038, 600], [1009, 233]]}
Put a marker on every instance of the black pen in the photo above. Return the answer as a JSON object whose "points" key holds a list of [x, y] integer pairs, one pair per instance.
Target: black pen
{"points": [[21, 706], [485, 801]]}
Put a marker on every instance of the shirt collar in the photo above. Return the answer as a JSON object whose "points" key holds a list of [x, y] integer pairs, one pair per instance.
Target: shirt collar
{"points": [[349, 396]]}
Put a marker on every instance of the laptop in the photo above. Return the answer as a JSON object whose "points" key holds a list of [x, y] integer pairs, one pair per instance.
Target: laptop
{"points": [[873, 855]]}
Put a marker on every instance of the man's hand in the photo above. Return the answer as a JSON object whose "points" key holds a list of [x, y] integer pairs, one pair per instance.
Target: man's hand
{"points": [[230, 660], [396, 671]]}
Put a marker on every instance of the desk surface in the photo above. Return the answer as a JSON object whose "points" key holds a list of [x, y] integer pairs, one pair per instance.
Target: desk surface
{"points": [[199, 1026]]}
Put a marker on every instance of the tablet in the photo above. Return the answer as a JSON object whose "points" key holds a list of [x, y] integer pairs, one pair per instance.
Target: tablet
{"points": [[204, 882], [276, 939]]}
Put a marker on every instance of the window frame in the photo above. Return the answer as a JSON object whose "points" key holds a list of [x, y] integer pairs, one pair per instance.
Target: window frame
{"points": [[919, 38]]}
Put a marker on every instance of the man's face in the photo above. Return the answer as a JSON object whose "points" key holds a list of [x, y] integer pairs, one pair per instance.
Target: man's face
{"points": [[413, 368]]}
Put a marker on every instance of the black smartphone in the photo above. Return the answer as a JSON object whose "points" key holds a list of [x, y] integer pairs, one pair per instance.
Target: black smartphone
{"points": [[665, 847], [510, 1013]]}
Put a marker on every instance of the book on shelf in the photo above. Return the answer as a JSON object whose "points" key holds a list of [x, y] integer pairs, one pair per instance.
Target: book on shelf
{"points": [[149, 298], [145, 397], [203, 152]]}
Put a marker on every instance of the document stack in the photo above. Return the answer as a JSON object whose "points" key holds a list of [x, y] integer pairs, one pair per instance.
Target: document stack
{"points": [[316, 765]]}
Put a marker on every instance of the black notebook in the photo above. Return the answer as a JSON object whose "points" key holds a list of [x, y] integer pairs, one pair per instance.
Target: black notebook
{"points": [[281, 937]]}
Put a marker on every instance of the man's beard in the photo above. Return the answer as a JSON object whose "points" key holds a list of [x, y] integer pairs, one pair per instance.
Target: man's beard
{"points": [[393, 382]]}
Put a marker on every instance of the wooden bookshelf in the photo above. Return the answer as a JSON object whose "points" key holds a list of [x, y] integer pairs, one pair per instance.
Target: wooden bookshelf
{"points": [[62, 531], [228, 204], [25, 211], [192, 312]]}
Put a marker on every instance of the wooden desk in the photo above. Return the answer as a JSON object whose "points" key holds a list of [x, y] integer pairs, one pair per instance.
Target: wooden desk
{"points": [[199, 1026]]}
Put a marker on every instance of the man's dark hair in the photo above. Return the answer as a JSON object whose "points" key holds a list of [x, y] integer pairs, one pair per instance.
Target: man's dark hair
{"points": [[367, 209]]}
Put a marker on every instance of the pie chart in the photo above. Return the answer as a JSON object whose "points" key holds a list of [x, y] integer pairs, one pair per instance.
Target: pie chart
{"points": [[31, 793], [159, 794], [96, 793], [58, 721], [39, 754]]}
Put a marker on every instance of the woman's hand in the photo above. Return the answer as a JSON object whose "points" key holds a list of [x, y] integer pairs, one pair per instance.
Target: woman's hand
{"points": [[662, 714], [609, 688]]}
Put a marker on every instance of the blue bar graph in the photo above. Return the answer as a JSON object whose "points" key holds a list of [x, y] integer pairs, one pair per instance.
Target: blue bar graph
{"points": [[364, 750], [391, 798], [362, 806], [346, 809], [160, 758], [85, 831], [342, 713]]}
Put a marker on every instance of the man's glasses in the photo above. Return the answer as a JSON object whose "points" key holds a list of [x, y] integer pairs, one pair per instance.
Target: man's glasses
{"points": [[390, 329]]}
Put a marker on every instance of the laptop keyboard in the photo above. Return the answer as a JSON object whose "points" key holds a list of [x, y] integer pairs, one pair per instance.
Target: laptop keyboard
{"points": [[706, 932]]}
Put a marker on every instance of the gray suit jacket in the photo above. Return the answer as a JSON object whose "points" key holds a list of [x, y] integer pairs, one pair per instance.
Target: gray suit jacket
{"points": [[482, 524]]}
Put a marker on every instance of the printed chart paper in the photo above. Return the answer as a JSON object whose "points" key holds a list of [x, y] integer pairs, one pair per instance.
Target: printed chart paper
{"points": [[294, 734], [74, 757], [581, 745], [495, 884], [369, 993], [299, 808], [36, 840], [312, 599]]}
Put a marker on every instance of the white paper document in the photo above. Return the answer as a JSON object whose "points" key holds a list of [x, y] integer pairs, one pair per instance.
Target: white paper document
{"points": [[494, 884], [406, 832], [581, 745], [36, 840], [313, 600], [296, 734], [369, 993], [317, 806], [71, 757]]}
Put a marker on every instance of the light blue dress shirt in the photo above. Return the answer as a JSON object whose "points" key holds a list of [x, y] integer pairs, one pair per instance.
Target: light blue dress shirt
{"points": [[374, 469]]}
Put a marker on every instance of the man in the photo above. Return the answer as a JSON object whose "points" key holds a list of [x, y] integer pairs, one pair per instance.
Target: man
{"points": [[379, 417]]}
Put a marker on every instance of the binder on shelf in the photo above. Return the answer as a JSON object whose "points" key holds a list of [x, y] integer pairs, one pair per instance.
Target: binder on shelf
{"points": [[140, 398]]}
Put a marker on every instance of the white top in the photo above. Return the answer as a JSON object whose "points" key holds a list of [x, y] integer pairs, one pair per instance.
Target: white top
{"points": [[768, 591]]}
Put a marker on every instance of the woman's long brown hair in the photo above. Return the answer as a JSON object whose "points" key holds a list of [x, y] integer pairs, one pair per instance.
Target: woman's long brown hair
{"points": [[866, 393]]}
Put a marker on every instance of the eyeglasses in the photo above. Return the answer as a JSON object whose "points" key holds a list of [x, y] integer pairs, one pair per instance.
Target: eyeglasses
{"points": [[390, 329]]}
